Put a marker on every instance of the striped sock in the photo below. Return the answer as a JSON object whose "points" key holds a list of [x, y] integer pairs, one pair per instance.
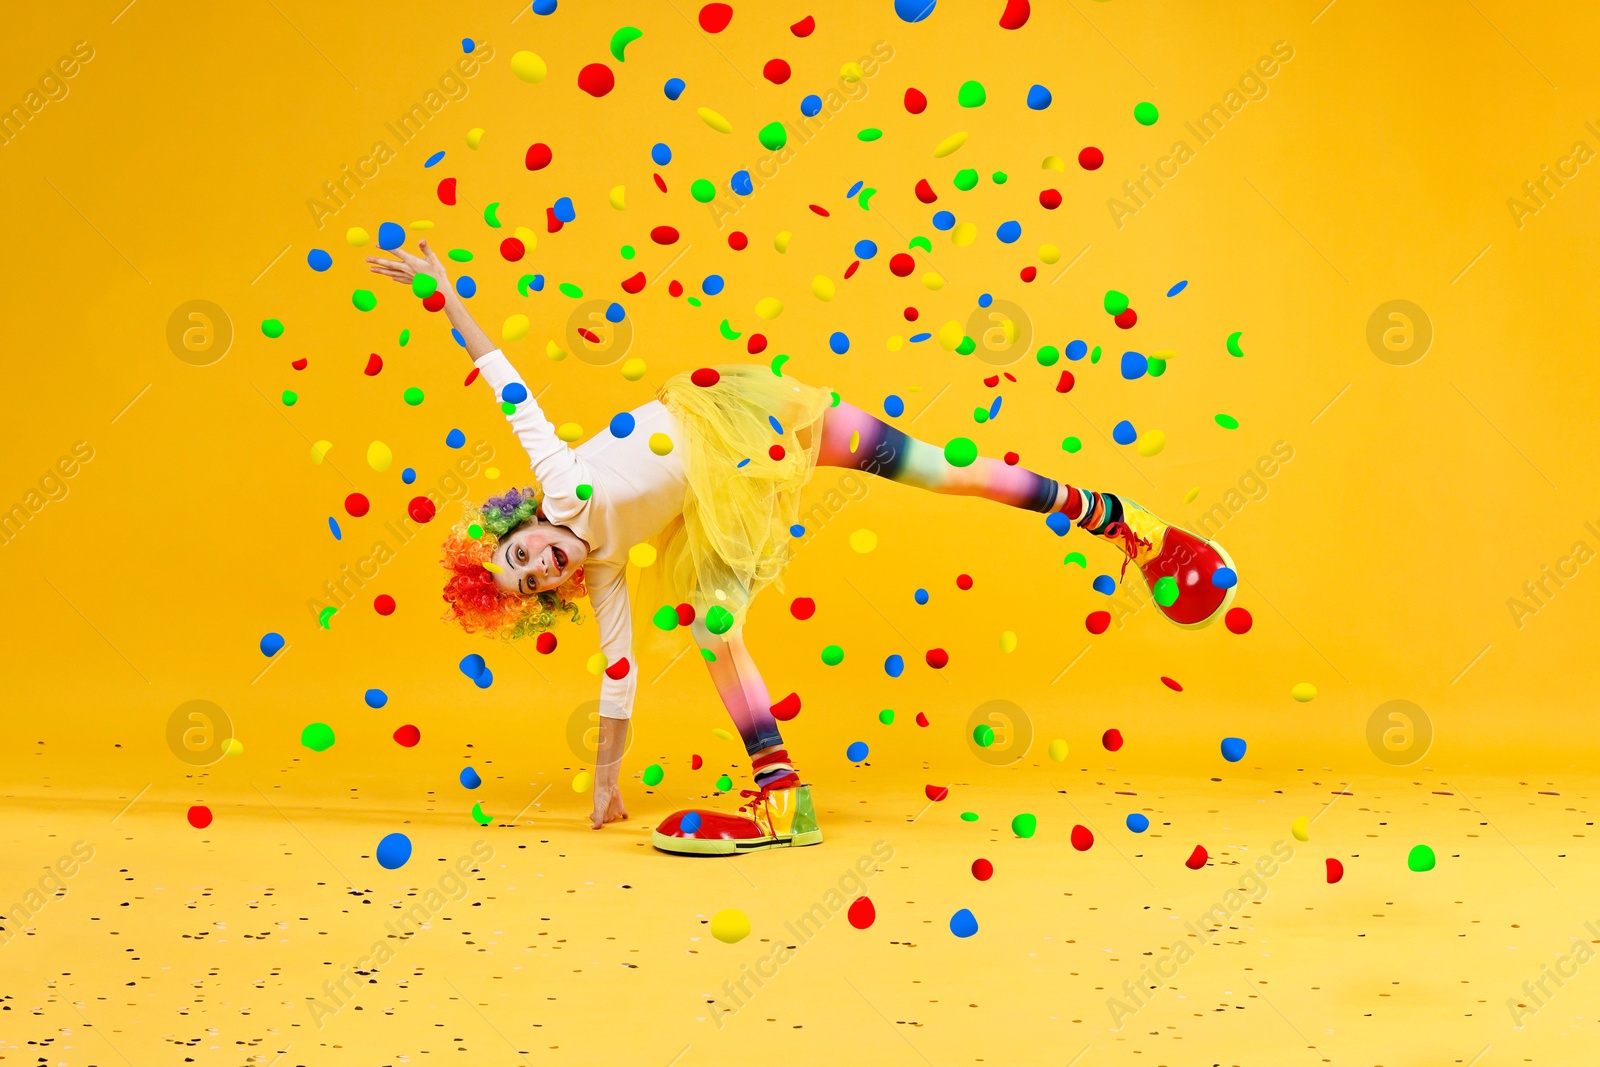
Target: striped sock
{"points": [[1093, 512], [774, 771]]}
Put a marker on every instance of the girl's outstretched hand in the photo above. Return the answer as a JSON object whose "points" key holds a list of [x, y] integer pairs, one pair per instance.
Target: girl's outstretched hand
{"points": [[406, 266]]}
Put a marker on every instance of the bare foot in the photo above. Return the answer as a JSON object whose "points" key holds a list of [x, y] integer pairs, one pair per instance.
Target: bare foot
{"points": [[608, 805]]}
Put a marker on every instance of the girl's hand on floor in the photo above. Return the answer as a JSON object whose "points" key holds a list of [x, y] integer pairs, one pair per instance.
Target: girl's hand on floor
{"points": [[607, 804], [406, 266]]}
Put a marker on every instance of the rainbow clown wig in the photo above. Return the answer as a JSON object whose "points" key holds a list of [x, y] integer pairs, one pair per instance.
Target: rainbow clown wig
{"points": [[476, 602]]}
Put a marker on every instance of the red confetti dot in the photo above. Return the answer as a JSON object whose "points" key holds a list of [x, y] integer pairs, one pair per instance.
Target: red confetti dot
{"points": [[1050, 199], [805, 27], [714, 18], [618, 670], [383, 604], [551, 223], [802, 607], [911, 314], [356, 505], [407, 736], [963, 581], [685, 614], [634, 284], [199, 816], [1171, 684], [512, 249], [538, 157], [1082, 839], [695, 762], [588, 335], [1065, 382], [472, 376], [1012, 459], [1097, 621], [1015, 16], [674, 288], [1127, 319], [992, 380], [901, 264], [916, 103], [738, 241], [819, 210], [705, 377], [787, 708], [661, 183], [982, 870], [299, 364], [1111, 740], [776, 71], [596, 79], [1197, 858], [434, 301], [937, 658], [420, 509], [925, 192], [922, 718], [935, 793], [1238, 621], [545, 643], [861, 914], [1335, 870], [664, 235], [849, 272], [776, 452], [447, 192], [756, 344], [374, 365], [1028, 273], [1091, 158]]}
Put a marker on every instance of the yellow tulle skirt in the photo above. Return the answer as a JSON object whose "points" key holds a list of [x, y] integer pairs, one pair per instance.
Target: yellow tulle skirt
{"points": [[733, 538]]}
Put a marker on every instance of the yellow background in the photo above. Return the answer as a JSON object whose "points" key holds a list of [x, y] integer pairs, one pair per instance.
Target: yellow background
{"points": [[1378, 563]]}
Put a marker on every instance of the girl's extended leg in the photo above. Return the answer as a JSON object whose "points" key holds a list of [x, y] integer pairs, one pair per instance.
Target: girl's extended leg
{"points": [[744, 694]]}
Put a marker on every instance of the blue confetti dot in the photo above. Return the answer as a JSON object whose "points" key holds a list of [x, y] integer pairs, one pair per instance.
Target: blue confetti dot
{"points": [[943, 220], [271, 643], [963, 923], [984, 300], [1134, 365], [918, 338], [839, 342], [1138, 823], [318, 260], [777, 427], [472, 665], [537, 284], [615, 312], [866, 249], [333, 525], [391, 235], [893, 406], [920, 596], [466, 287], [1009, 232], [394, 851], [515, 393], [690, 822], [743, 462], [741, 184], [994, 408], [470, 778], [433, 159], [1233, 749], [455, 335], [713, 284], [1038, 98], [854, 189], [1180, 287], [544, 7], [1123, 433], [1224, 578], [1105, 584], [914, 10], [1058, 522], [894, 666], [484, 679], [563, 210], [660, 155], [1076, 350], [811, 105], [455, 438], [408, 475], [856, 752], [621, 424], [376, 698], [468, 44], [797, 530], [674, 88]]}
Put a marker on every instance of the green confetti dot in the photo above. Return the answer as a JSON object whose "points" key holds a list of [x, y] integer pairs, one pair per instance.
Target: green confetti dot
{"points": [[708, 655], [702, 190], [966, 179], [628, 252], [871, 133], [983, 734], [1094, 357], [969, 816], [1157, 367], [412, 396], [971, 94], [1227, 422], [289, 398], [719, 620], [694, 301], [980, 415], [833, 655], [1047, 355], [1076, 557], [921, 242], [653, 774], [665, 618], [1115, 303], [405, 338], [460, 255], [1024, 825], [474, 531], [773, 136], [1072, 444], [423, 286], [724, 784], [999, 177], [886, 716], [507, 408], [585, 491], [318, 737], [272, 328], [363, 299], [1145, 113], [568, 289], [1421, 859], [960, 451], [966, 347], [1166, 591]]}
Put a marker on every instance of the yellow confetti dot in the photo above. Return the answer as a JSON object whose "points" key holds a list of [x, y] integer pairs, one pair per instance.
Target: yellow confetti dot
{"points": [[232, 747], [474, 137], [569, 432], [660, 444], [781, 242], [769, 307], [1304, 692], [491, 473], [1054, 163], [933, 281], [1058, 750], [356, 236], [950, 335], [582, 782], [714, 120], [1163, 353], [1012, 331], [852, 72], [619, 196], [633, 369], [596, 663], [1008, 641], [896, 343], [963, 234], [1151, 443], [319, 451], [822, 287], [1049, 254], [529, 239], [555, 351], [1188, 498], [515, 328], [493, 568], [863, 541], [730, 926], [1301, 829], [529, 67], [422, 224], [949, 145], [379, 456], [719, 732], [855, 441], [642, 554]]}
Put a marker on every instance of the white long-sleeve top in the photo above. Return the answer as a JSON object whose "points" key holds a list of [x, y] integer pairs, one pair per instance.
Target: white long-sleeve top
{"points": [[635, 494]]}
